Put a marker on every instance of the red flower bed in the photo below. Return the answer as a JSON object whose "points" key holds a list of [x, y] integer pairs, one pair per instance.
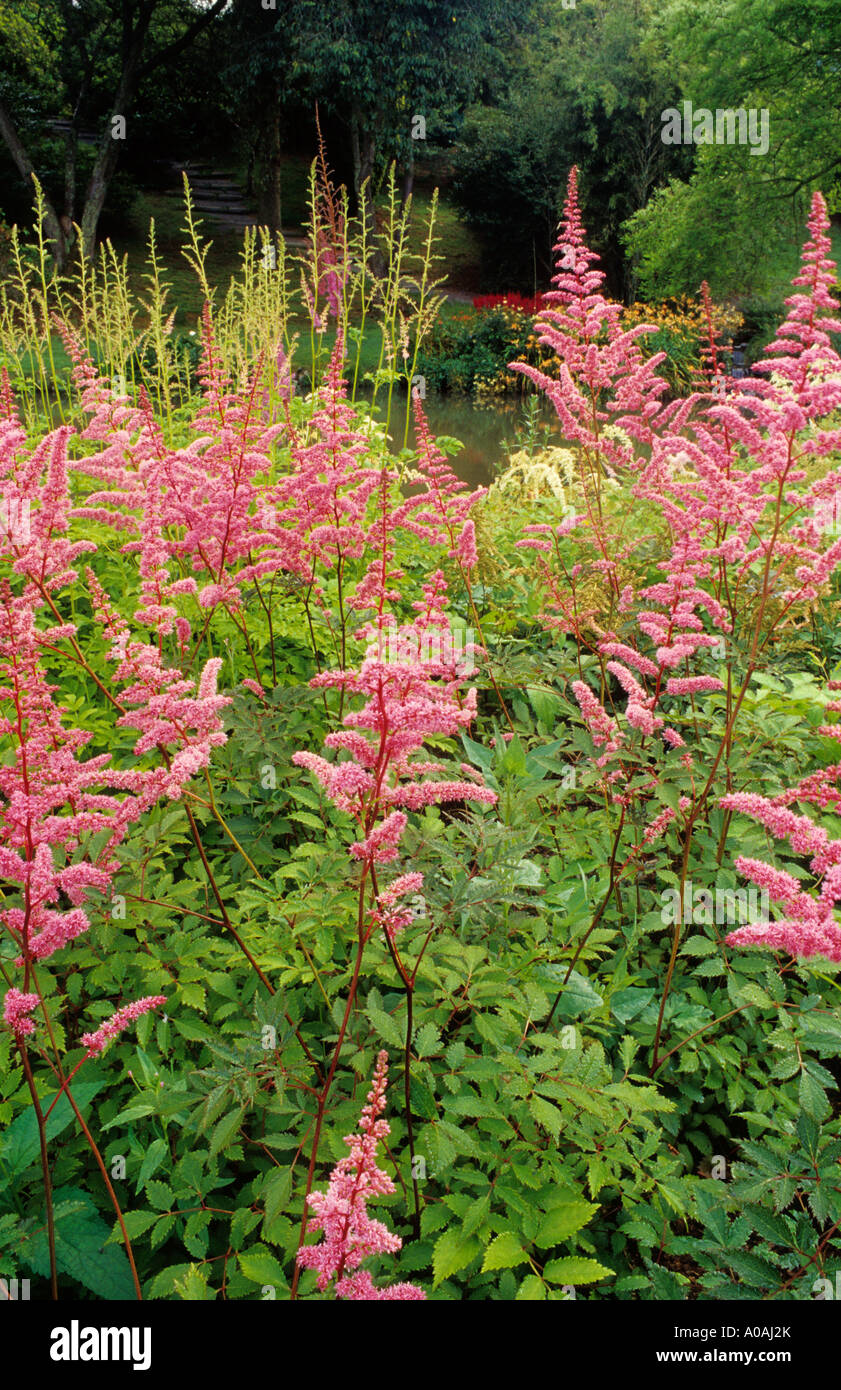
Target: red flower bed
{"points": [[512, 299]]}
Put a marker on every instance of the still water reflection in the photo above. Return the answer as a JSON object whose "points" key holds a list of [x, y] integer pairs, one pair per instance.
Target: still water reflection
{"points": [[484, 431]]}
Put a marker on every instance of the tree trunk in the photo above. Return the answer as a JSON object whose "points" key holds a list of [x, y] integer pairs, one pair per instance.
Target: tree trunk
{"points": [[70, 150], [103, 170], [136, 18], [275, 170], [108, 152], [52, 226]]}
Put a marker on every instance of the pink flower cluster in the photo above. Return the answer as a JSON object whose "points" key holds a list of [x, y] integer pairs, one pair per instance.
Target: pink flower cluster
{"points": [[201, 506], [725, 473], [53, 801], [405, 702], [387, 913], [604, 730], [598, 359], [17, 1009], [808, 926], [98, 1041], [167, 712], [414, 696], [349, 1234]]}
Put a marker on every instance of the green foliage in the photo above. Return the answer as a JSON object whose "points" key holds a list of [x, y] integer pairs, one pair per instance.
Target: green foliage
{"points": [[732, 217], [471, 350], [560, 1125]]}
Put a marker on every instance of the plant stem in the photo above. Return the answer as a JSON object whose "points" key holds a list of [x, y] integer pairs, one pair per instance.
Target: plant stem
{"points": [[111, 1193], [45, 1164], [361, 939]]}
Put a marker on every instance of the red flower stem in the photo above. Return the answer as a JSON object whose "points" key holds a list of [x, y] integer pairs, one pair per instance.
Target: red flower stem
{"points": [[45, 1164], [111, 1193], [361, 940], [63, 1085]]}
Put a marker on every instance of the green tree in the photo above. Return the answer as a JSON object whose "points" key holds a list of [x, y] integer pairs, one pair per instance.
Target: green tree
{"points": [[67, 62], [730, 215], [384, 66], [260, 90], [585, 86]]}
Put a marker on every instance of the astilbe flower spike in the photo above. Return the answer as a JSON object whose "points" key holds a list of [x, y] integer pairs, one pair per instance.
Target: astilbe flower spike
{"points": [[349, 1234], [97, 1041], [167, 711], [596, 355], [52, 801], [201, 506], [712, 474], [406, 700], [807, 926], [17, 1011], [727, 475]]}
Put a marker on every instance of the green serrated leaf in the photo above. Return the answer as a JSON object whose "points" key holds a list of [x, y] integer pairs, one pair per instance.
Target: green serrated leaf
{"points": [[136, 1223], [453, 1251], [192, 1287], [260, 1266], [82, 1248], [573, 1269], [562, 1222], [162, 1228], [504, 1252], [20, 1144], [548, 1116], [161, 1195], [813, 1098], [427, 1040], [531, 1290], [386, 1026], [225, 1130]]}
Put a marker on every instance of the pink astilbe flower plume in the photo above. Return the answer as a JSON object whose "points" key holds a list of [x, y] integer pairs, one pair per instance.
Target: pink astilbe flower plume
{"points": [[726, 478], [17, 1011], [405, 702], [330, 253], [596, 356], [49, 798], [443, 509], [389, 913], [96, 1042], [200, 506], [53, 801], [808, 926], [417, 695], [167, 711], [316, 517], [349, 1234]]}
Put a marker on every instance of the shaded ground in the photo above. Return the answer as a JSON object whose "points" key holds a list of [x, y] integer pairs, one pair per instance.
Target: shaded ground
{"points": [[224, 209]]}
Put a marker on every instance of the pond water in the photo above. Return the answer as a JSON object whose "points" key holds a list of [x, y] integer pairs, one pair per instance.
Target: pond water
{"points": [[483, 429]]}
